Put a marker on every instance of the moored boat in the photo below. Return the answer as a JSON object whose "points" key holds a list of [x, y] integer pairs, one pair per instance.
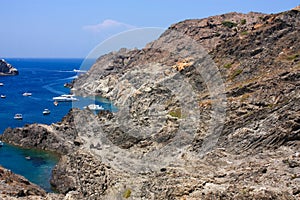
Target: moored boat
{"points": [[65, 97], [26, 94], [94, 107], [46, 112], [18, 116], [79, 70]]}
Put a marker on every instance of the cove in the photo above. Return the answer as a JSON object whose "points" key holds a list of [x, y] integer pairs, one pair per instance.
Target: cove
{"points": [[35, 165]]}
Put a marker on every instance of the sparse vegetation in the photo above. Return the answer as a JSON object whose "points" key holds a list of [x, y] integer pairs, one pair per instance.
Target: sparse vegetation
{"points": [[292, 57], [127, 193], [244, 33], [236, 73], [229, 24], [176, 113], [243, 21], [227, 65]]}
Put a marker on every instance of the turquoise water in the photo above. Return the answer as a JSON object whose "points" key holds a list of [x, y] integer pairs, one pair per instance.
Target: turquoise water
{"points": [[36, 168]]}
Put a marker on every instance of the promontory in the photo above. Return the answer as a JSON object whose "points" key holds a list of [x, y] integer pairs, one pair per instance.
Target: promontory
{"points": [[209, 110], [7, 69]]}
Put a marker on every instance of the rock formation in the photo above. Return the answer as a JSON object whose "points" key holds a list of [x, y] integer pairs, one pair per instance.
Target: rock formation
{"points": [[7, 69], [210, 110]]}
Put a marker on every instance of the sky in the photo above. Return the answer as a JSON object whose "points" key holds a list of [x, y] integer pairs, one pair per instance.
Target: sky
{"points": [[73, 28]]}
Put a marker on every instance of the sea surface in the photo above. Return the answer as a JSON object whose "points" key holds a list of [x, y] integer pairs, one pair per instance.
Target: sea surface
{"points": [[45, 79]]}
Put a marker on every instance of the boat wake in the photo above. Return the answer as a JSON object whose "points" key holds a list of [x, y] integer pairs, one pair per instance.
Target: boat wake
{"points": [[35, 98], [50, 88], [70, 78]]}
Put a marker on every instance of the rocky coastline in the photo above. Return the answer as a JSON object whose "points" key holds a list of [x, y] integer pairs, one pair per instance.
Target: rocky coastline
{"points": [[7, 69], [256, 155], [15, 186]]}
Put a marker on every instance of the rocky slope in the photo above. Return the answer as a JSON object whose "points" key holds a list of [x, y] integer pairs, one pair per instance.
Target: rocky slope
{"points": [[7, 69], [210, 110]]}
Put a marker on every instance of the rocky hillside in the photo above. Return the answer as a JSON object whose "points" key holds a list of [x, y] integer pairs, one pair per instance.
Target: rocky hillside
{"points": [[7, 69], [210, 110]]}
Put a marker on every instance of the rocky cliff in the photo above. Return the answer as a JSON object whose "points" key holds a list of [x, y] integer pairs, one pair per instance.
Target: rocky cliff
{"points": [[7, 69], [210, 110]]}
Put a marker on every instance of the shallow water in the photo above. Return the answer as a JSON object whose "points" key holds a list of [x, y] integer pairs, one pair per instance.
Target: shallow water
{"points": [[35, 165]]}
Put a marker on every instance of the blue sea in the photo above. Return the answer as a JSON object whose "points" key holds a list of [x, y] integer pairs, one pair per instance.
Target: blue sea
{"points": [[44, 78]]}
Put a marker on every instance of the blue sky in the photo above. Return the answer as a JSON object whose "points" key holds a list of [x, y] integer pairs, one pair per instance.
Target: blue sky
{"points": [[72, 28]]}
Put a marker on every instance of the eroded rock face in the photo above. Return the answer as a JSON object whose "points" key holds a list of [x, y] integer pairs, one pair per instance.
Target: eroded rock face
{"points": [[7, 69], [153, 147]]}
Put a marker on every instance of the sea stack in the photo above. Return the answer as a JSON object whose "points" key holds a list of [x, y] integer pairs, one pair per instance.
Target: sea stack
{"points": [[7, 69]]}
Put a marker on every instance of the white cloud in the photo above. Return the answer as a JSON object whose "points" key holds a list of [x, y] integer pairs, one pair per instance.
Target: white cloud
{"points": [[107, 24]]}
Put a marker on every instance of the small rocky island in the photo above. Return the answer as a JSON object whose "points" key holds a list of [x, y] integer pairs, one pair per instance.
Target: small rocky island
{"points": [[7, 69], [209, 110]]}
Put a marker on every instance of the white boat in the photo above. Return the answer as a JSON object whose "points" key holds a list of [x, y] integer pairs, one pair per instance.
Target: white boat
{"points": [[79, 70], [1, 84], [18, 116], [94, 107], [26, 94], [46, 112], [65, 97], [1, 143], [3, 96]]}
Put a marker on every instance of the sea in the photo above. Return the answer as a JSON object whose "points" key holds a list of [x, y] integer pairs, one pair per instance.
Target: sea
{"points": [[44, 79]]}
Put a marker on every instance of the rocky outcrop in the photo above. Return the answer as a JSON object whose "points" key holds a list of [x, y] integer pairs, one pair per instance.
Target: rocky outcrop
{"points": [[210, 110], [14, 186], [7, 69], [60, 137]]}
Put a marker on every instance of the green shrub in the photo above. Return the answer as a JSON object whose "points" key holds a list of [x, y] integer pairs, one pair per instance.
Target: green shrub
{"points": [[229, 24], [127, 193], [244, 33], [228, 65], [243, 21], [176, 113], [236, 73]]}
